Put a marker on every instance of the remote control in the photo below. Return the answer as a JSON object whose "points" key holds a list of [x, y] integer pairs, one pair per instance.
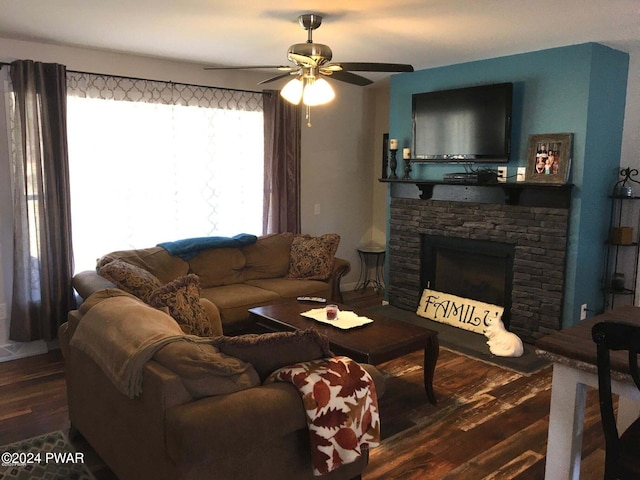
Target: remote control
{"points": [[312, 299]]}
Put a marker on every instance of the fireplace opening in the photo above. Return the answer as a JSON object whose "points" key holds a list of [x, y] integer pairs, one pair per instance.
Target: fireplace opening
{"points": [[477, 269]]}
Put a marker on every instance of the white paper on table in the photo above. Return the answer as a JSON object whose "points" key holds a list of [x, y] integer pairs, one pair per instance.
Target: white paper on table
{"points": [[344, 321]]}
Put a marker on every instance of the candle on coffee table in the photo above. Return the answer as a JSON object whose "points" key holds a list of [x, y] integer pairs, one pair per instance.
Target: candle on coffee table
{"points": [[332, 312]]}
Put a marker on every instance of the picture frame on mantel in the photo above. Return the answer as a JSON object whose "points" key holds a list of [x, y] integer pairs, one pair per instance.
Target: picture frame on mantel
{"points": [[549, 158]]}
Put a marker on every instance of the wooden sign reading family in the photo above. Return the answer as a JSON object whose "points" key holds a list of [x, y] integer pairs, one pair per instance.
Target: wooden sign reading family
{"points": [[458, 311]]}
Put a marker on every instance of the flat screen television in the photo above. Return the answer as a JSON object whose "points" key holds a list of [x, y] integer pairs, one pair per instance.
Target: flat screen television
{"points": [[471, 124]]}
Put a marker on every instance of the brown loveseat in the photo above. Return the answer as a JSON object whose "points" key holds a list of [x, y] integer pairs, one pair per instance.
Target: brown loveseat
{"points": [[273, 269], [201, 410]]}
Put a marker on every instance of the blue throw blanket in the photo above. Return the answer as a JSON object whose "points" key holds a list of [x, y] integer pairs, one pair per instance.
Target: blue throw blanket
{"points": [[190, 247]]}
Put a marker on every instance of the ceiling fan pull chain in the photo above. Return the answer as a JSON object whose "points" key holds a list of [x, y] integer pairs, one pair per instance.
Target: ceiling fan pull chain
{"points": [[307, 116]]}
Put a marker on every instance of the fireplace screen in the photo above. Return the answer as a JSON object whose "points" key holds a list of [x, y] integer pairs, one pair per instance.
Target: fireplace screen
{"points": [[476, 269]]}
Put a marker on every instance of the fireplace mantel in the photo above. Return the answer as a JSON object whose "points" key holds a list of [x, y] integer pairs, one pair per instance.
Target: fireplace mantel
{"points": [[515, 193]]}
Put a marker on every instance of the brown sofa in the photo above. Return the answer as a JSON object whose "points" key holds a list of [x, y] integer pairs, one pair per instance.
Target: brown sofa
{"points": [[189, 421], [276, 268]]}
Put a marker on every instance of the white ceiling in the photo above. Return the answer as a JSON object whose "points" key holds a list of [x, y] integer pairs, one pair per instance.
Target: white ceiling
{"points": [[424, 33]]}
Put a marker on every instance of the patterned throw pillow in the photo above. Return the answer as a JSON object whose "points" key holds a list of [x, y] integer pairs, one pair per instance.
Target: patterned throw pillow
{"points": [[182, 298], [311, 258], [130, 278], [269, 351]]}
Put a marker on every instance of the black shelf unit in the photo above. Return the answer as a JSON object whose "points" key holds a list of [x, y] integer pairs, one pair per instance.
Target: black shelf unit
{"points": [[625, 213]]}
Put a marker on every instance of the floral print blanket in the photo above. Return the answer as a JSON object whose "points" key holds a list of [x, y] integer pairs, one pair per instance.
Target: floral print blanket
{"points": [[341, 406]]}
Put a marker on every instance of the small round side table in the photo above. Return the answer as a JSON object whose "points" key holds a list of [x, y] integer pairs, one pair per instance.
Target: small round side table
{"points": [[371, 256]]}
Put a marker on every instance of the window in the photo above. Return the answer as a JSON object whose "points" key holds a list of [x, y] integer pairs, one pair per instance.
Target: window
{"points": [[152, 162]]}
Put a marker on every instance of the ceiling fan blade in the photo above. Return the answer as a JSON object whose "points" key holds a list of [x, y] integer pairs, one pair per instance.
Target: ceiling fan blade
{"points": [[302, 60], [273, 79], [252, 67], [375, 67], [351, 78]]}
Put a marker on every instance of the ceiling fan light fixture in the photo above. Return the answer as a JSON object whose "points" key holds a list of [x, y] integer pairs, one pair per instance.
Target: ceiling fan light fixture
{"points": [[317, 91], [292, 91]]}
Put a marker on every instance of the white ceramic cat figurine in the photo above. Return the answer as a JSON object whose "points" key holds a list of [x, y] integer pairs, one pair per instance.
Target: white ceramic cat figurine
{"points": [[501, 342]]}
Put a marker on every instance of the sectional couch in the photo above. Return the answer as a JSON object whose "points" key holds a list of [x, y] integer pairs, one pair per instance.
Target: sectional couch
{"points": [[155, 405], [234, 276]]}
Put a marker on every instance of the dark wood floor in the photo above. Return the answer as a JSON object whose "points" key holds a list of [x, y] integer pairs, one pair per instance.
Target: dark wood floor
{"points": [[489, 423]]}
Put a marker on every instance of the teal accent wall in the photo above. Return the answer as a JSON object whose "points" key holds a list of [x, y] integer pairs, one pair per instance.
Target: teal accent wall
{"points": [[579, 89]]}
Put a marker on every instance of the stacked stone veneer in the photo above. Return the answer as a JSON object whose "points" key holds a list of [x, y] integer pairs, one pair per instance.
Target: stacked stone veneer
{"points": [[538, 234]]}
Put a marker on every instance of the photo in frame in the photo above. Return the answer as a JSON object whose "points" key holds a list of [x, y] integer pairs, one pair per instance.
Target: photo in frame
{"points": [[549, 158]]}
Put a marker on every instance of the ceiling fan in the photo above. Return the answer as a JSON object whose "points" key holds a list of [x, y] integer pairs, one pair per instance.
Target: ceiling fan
{"points": [[311, 61]]}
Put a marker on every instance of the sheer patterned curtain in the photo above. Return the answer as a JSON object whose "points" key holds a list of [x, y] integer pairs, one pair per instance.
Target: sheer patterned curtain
{"points": [[158, 161], [281, 165], [42, 263]]}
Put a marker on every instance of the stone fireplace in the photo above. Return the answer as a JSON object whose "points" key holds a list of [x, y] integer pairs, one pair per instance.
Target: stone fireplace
{"points": [[522, 244]]}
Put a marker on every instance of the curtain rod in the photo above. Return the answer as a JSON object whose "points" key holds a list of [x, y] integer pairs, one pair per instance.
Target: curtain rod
{"points": [[3, 64]]}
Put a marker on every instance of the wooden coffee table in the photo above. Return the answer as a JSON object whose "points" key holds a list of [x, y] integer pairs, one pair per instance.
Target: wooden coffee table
{"points": [[374, 343]]}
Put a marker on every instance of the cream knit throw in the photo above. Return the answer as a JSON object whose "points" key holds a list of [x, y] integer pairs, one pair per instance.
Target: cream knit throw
{"points": [[121, 334]]}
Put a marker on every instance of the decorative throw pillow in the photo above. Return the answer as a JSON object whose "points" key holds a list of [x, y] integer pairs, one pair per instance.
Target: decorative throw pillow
{"points": [[311, 258], [154, 259], [269, 351], [130, 278], [182, 298]]}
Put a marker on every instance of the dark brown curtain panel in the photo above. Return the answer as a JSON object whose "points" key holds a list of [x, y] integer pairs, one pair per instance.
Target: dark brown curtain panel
{"points": [[43, 260], [281, 164]]}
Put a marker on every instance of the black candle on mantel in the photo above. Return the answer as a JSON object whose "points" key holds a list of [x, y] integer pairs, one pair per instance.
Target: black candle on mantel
{"points": [[393, 163], [406, 156]]}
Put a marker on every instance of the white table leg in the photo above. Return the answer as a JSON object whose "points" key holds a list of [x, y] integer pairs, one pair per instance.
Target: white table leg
{"points": [[566, 418], [566, 424]]}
